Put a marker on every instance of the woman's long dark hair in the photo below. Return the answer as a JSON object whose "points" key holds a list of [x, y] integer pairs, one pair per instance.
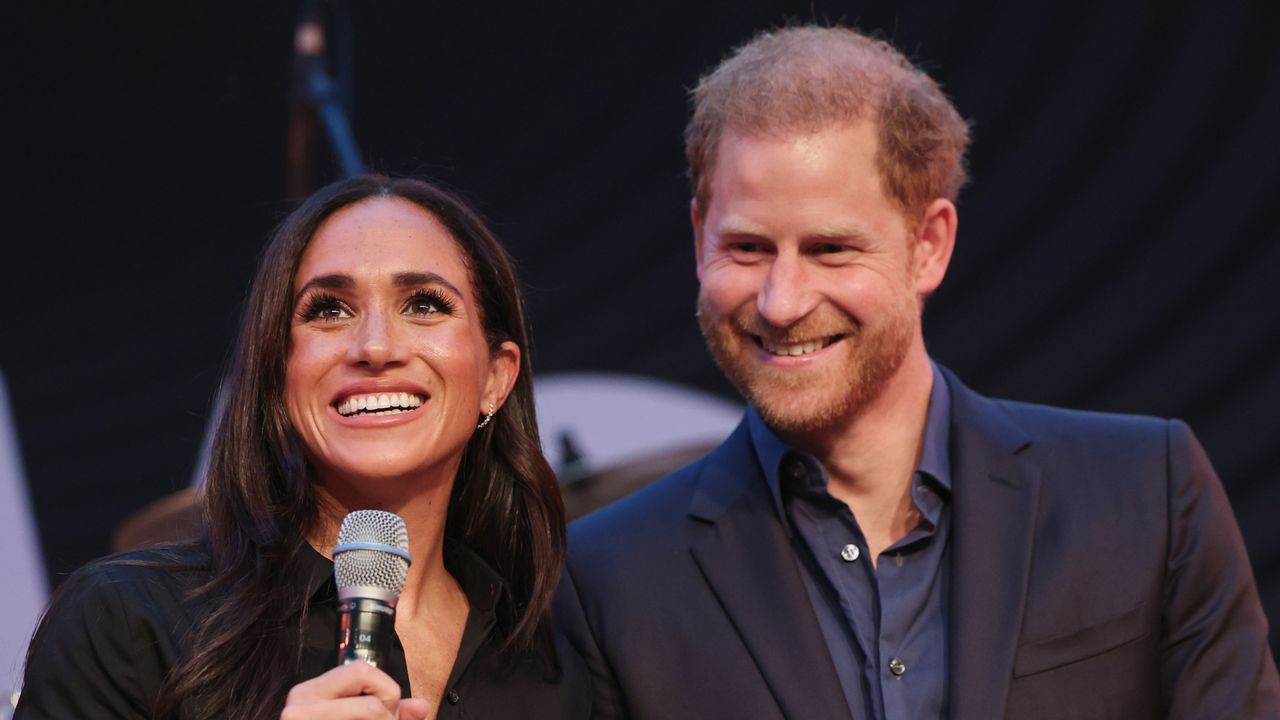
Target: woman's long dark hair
{"points": [[260, 504]]}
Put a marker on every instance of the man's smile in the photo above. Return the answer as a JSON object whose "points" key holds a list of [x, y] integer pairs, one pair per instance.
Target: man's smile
{"points": [[796, 347]]}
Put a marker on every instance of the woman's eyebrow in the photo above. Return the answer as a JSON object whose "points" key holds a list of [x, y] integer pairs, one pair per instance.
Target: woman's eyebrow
{"points": [[410, 279], [338, 281], [335, 281]]}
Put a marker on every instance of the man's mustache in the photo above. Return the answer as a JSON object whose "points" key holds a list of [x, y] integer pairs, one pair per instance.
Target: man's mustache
{"points": [[749, 322]]}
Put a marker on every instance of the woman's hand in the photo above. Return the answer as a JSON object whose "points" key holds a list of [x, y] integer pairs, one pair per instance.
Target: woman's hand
{"points": [[358, 691]]}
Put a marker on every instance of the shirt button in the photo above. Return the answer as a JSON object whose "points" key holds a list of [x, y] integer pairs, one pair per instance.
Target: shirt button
{"points": [[850, 552], [795, 470], [452, 697], [897, 667]]}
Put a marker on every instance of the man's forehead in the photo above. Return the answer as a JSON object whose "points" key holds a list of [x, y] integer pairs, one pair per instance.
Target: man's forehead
{"points": [[798, 133], [743, 156]]}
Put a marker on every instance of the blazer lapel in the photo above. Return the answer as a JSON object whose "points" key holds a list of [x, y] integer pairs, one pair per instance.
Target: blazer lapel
{"points": [[994, 496], [748, 560]]}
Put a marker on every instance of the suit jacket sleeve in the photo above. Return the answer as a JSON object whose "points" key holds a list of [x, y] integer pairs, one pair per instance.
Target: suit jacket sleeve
{"points": [[1215, 662], [571, 621]]}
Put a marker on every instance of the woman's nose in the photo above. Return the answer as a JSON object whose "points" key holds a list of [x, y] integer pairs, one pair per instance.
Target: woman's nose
{"points": [[377, 343]]}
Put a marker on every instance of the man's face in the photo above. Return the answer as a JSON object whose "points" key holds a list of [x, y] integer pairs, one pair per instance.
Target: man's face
{"points": [[809, 298]]}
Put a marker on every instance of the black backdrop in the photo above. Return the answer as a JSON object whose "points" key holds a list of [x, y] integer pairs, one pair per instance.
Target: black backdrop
{"points": [[1118, 248]]}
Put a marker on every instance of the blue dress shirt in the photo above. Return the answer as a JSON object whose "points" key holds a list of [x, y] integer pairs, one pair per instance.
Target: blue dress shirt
{"points": [[886, 627]]}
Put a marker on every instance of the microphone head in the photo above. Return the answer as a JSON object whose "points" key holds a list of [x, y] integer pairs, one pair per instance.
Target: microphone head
{"points": [[371, 559]]}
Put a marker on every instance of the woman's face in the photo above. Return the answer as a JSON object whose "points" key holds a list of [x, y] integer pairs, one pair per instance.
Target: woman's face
{"points": [[388, 366]]}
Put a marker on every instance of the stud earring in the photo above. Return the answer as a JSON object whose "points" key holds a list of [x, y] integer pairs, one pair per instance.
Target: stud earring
{"points": [[487, 418]]}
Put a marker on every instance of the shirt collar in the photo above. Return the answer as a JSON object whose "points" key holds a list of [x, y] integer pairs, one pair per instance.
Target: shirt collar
{"points": [[935, 455], [483, 586], [935, 459]]}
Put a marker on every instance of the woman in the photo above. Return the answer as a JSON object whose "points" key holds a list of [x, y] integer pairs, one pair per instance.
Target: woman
{"points": [[382, 364]]}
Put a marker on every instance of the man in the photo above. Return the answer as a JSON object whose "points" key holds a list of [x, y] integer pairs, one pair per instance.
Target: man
{"points": [[875, 540]]}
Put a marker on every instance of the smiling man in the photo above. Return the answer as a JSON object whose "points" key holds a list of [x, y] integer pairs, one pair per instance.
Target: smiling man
{"points": [[875, 540]]}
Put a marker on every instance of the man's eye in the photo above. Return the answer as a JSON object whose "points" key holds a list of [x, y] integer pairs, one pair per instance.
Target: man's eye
{"points": [[748, 248], [833, 253]]}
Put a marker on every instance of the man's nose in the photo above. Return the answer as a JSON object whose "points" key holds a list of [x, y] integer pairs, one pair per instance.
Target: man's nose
{"points": [[377, 342], [788, 293]]}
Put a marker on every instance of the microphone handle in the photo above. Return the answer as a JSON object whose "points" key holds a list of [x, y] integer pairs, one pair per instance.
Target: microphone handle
{"points": [[365, 629]]}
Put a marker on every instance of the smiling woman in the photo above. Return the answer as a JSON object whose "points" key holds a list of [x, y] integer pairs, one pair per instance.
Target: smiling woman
{"points": [[389, 367], [381, 364]]}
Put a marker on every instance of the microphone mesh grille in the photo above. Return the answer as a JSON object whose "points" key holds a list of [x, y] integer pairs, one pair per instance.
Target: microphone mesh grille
{"points": [[357, 568]]}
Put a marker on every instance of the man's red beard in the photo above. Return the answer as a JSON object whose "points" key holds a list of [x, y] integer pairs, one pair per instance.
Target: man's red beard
{"points": [[800, 400]]}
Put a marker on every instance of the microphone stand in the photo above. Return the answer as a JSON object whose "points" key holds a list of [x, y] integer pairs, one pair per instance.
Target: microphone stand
{"points": [[316, 94]]}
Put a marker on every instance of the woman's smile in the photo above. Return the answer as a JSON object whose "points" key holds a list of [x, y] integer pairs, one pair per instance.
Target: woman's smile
{"points": [[379, 404]]}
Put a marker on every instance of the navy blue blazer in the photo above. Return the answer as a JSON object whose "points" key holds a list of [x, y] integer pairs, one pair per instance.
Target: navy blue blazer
{"points": [[1097, 572]]}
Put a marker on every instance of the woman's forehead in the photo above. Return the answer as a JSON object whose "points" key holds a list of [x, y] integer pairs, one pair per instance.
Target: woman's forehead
{"points": [[382, 237]]}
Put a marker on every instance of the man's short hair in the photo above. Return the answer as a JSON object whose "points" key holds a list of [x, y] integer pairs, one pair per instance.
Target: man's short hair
{"points": [[805, 79]]}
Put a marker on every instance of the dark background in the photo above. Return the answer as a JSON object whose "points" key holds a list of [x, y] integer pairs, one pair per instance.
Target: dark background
{"points": [[1118, 247]]}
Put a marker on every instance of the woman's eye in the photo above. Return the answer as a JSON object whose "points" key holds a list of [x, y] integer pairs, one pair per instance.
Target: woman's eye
{"points": [[423, 307], [428, 304], [325, 309]]}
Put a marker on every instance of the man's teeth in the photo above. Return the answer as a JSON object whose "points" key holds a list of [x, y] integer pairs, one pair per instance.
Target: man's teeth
{"points": [[379, 404], [803, 348]]}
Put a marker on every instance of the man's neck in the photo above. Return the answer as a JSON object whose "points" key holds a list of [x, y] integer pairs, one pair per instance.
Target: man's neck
{"points": [[871, 457]]}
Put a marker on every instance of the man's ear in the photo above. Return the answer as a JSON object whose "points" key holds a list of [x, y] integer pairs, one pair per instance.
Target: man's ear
{"points": [[696, 219], [934, 243], [504, 368]]}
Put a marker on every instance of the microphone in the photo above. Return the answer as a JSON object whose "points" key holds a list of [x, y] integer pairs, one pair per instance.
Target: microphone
{"points": [[370, 564]]}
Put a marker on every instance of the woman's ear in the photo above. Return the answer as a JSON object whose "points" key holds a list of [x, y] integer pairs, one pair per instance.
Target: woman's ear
{"points": [[504, 368]]}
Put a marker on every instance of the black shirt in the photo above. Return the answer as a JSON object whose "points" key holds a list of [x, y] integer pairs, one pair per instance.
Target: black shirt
{"points": [[118, 626]]}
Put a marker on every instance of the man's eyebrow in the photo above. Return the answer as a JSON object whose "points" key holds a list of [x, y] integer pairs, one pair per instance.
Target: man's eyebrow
{"points": [[838, 232], [731, 226], [740, 226], [410, 279], [334, 281]]}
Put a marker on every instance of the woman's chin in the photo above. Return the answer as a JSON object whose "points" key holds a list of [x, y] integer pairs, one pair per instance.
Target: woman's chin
{"points": [[382, 477]]}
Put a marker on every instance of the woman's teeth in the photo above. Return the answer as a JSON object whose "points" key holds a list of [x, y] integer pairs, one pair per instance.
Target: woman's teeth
{"points": [[379, 404]]}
